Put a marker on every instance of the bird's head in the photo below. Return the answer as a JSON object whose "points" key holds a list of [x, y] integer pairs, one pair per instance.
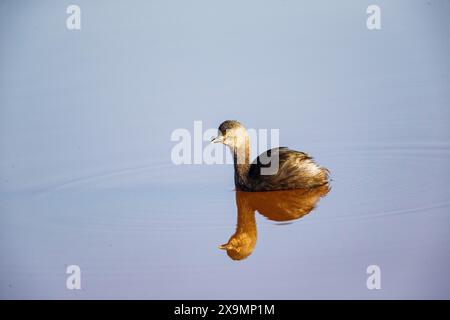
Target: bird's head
{"points": [[231, 133], [240, 245]]}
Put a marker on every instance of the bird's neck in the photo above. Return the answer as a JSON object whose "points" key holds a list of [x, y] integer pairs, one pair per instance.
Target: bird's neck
{"points": [[246, 222], [241, 157]]}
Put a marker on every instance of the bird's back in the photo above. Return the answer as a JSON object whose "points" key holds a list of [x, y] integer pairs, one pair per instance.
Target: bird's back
{"points": [[295, 170]]}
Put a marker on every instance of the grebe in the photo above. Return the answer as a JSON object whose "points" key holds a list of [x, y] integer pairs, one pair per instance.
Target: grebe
{"points": [[280, 206], [275, 169]]}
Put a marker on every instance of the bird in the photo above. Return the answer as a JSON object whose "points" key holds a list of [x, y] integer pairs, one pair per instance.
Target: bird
{"points": [[276, 169], [280, 206]]}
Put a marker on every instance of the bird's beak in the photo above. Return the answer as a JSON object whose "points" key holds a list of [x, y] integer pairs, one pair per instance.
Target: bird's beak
{"points": [[218, 139], [225, 246]]}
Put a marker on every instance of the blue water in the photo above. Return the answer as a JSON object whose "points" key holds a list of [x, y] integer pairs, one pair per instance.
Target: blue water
{"points": [[86, 176]]}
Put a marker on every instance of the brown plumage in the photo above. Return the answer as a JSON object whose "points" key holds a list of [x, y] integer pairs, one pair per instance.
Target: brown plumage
{"points": [[275, 169], [285, 205]]}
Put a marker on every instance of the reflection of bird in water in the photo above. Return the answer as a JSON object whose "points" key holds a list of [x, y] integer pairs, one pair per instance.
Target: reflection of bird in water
{"points": [[275, 169], [282, 205]]}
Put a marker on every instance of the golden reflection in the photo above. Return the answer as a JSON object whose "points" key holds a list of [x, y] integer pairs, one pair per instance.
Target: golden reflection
{"points": [[282, 205]]}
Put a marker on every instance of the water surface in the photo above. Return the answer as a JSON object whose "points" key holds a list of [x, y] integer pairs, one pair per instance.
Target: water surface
{"points": [[86, 176]]}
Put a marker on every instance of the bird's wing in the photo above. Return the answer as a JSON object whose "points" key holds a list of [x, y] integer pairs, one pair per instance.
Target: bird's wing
{"points": [[287, 174]]}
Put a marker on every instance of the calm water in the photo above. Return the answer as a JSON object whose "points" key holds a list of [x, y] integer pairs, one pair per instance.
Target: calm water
{"points": [[86, 176]]}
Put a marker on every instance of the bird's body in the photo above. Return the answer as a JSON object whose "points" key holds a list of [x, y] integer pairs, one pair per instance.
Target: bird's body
{"points": [[275, 169], [296, 170]]}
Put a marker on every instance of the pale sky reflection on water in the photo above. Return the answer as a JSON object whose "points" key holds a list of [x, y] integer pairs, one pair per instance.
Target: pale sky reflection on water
{"points": [[86, 176]]}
